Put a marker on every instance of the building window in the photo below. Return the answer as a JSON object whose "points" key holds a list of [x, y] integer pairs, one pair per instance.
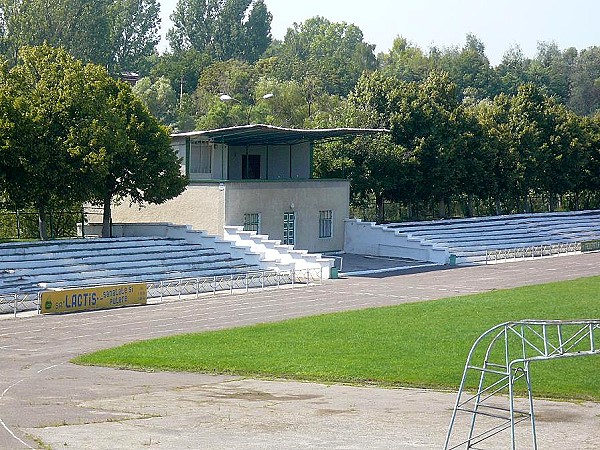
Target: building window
{"points": [[325, 224], [200, 157], [252, 222]]}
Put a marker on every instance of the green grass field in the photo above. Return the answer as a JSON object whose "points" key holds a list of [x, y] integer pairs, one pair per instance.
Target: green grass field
{"points": [[419, 344]]}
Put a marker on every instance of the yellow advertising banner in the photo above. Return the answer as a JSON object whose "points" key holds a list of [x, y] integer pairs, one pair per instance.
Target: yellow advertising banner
{"points": [[87, 299]]}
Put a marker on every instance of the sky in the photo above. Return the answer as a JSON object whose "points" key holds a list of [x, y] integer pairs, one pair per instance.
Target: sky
{"points": [[499, 24]]}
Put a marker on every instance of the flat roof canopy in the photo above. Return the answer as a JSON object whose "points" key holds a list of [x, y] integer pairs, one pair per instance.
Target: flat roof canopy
{"points": [[271, 135]]}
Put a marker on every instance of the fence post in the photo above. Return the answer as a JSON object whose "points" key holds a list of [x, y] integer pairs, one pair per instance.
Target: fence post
{"points": [[161, 291], [18, 225], [246, 279], [231, 284], [16, 296], [82, 222], [214, 285]]}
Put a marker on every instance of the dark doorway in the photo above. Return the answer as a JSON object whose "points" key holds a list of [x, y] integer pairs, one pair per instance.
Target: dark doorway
{"points": [[250, 167]]}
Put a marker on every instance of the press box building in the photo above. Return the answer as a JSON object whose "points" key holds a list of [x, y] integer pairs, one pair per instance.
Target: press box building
{"points": [[259, 177]]}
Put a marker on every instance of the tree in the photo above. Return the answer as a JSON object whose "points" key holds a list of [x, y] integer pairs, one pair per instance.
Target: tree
{"points": [[469, 68], [116, 34], [80, 26], [193, 25], [585, 82], [334, 52], [141, 165], [159, 98], [551, 70], [234, 78], [539, 147], [74, 135], [590, 177], [505, 170], [376, 167], [512, 71], [404, 61], [181, 69], [134, 32], [429, 121], [48, 94], [258, 32], [286, 108], [225, 29]]}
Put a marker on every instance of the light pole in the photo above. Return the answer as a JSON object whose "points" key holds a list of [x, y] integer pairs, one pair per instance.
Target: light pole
{"points": [[228, 98]]}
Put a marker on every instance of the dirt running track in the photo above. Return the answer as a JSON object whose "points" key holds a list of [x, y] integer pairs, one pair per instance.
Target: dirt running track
{"points": [[46, 402]]}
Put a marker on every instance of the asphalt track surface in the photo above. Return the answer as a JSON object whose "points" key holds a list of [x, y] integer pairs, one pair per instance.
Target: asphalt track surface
{"points": [[47, 402]]}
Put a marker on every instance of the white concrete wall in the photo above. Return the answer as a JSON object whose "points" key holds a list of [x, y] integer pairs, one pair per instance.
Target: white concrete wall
{"points": [[201, 206], [367, 238], [271, 199], [211, 206], [178, 146]]}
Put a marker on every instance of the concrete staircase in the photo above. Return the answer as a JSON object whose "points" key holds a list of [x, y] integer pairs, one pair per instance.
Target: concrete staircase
{"points": [[274, 255]]}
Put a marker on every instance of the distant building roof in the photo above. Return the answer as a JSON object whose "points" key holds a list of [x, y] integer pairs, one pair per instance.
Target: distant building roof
{"points": [[271, 135], [130, 77]]}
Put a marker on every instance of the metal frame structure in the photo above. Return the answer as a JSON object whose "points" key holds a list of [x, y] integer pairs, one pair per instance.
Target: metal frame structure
{"points": [[533, 251], [500, 360], [234, 283]]}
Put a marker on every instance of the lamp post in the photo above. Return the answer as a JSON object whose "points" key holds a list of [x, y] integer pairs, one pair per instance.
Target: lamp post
{"points": [[228, 98]]}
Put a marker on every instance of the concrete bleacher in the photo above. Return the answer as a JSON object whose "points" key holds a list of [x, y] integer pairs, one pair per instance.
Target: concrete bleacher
{"points": [[468, 240], [30, 267]]}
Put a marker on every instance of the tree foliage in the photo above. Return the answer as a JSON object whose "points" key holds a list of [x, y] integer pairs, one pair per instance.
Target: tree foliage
{"points": [[115, 34], [72, 134], [334, 51], [134, 32], [140, 165], [48, 94], [159, 97], [226, 29], [462, 131]]}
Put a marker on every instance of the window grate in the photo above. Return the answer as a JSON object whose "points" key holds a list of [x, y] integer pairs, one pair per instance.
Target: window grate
{"points": [[252, 222], [325, 224]]}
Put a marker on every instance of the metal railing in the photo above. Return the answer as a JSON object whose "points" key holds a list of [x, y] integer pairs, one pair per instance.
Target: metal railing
{"points": [[12, 303], [231, 284], [533, 251], [235, 283]]}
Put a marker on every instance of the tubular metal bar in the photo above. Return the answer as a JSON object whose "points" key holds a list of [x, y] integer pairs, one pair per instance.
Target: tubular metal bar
{"points": [[241, 282], [512, 346], [533, 251]]}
